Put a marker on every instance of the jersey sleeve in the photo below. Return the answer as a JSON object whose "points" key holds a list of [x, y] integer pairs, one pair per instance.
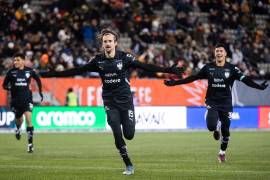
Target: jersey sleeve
{"points": [[130, 59], [202, 74], [34, 74], [37, 79], [6, 81], [237, 73], [91, 65]]}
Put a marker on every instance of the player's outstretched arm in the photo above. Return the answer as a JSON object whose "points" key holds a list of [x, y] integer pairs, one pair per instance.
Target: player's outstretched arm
{"points": [[248, 81], [187, 80], [153, 68], [66, 73]]}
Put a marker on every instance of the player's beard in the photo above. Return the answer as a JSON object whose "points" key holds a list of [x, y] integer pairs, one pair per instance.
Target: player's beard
{"points": [[108, 49]]}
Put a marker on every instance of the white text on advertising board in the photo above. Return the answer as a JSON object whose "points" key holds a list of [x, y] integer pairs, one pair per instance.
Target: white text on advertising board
{"points": [[70, 118], [6, 118], [151, 118]]}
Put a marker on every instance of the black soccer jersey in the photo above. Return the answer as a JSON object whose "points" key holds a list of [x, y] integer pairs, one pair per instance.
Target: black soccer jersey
{"points": [[220, 82], [18, 82], [114, 73]]}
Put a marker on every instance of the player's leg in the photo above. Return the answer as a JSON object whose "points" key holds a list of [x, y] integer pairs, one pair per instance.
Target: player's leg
{"points": [[18, 121], [212, 122], [29, 130], [128, 123], [225, 118], [114, 119]]}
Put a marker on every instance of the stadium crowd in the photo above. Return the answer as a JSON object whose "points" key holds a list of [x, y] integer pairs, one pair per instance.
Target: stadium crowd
{"points": [[62, 34]]}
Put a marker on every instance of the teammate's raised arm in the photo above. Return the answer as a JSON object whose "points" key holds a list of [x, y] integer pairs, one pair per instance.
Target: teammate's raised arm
{"points": [[153, 68], [200, 75], [187, 80], [248, 81]]}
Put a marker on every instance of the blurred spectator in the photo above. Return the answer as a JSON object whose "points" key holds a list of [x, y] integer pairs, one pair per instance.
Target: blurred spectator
{"points": [[62, 34], [71, 98]]}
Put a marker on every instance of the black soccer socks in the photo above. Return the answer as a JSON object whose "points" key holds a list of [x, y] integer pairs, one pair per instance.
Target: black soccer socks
{"points": [[30, 131], [124, 154]]}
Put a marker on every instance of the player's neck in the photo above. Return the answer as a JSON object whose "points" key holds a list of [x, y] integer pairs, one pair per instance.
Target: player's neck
{"points": [[220, 64], [21, 67], [110, 54]]}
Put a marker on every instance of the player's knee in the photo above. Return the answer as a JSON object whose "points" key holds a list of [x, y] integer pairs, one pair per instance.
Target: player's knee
{"points": [[211, 123], [211, 127], [129, 136]]}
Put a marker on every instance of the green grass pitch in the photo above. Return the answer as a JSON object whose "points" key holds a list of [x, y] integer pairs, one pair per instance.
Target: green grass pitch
{"points": [[156, 155]]}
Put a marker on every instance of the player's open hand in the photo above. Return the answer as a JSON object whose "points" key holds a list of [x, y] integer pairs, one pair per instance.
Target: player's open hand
{"points": [[170, 82], [264, 85], [177, 70]]}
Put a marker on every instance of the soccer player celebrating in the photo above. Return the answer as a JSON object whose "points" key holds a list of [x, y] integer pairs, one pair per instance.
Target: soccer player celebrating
{"points": [[113, 67], [221, 76], [17, 81]]}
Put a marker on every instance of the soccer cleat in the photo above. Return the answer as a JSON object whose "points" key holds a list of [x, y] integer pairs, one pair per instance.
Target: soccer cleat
{"points": [[129, 170], [221, 158], [216, 135], [30, 148], [18, 134]]}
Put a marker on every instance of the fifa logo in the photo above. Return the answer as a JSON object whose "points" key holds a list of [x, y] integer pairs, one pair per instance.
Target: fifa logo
{"points": [[120, 65]]}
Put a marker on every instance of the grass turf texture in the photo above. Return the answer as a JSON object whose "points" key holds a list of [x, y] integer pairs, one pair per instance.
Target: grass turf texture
{"points": [[170, 155]]}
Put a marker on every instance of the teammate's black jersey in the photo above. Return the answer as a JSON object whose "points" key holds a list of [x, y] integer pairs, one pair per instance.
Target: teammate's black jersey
{"points": [[220, 82], [18, 82]]}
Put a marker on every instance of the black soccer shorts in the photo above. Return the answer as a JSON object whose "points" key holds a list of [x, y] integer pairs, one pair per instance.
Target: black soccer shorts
{"points": [[125, 116], [19, 109]]}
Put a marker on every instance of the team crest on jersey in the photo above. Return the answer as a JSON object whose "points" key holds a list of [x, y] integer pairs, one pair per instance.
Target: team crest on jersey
{"points": [[227, 74], [27, 74], [120, 65]]}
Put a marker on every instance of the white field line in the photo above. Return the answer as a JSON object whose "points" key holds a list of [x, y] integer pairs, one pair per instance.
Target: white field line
{"points": [[229, 171]]}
